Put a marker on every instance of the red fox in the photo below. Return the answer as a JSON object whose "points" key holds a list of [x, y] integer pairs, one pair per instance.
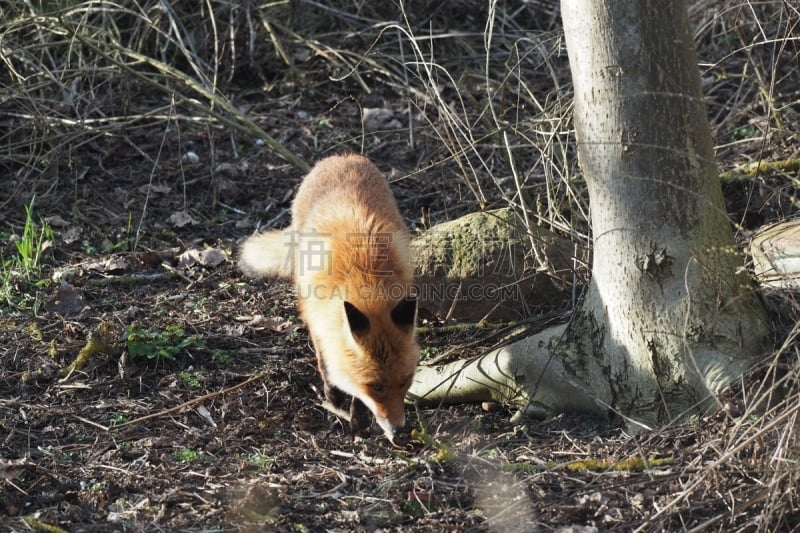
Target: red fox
{"points": [[347, 250]]}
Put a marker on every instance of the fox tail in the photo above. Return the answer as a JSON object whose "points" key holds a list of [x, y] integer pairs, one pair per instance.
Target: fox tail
{"points": [[268, 255]]}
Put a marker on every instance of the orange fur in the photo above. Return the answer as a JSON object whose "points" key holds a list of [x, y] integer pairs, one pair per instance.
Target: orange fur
{"points": [[348, 253]]}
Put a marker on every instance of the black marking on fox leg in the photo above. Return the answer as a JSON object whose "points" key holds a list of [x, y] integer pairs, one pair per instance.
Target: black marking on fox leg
{"points": [[359, 415], [333, 395], [336, 397], [360, 418]]}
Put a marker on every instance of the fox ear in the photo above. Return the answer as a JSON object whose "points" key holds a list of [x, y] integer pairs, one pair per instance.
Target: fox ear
{"points": [[405, 312], [357, 320]]}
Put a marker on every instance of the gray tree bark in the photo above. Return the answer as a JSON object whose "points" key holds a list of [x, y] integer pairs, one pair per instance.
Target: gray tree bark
{"points": [[670, 316]]}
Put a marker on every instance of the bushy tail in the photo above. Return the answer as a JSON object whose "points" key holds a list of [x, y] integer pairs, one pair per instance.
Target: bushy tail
{"points": [[268, 255]]}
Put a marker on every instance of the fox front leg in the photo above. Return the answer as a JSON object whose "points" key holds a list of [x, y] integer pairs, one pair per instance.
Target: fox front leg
{"points": [[336, 401], [360, 418]]}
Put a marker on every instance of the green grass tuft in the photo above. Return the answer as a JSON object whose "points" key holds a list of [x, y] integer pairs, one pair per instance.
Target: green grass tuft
{"points": [[25, 266]]}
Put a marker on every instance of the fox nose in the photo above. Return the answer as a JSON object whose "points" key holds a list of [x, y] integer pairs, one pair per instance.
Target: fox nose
{"points": [[392, 431]]}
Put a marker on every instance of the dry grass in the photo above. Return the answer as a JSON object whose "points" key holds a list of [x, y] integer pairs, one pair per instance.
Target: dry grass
{"points": [[482, 118]]}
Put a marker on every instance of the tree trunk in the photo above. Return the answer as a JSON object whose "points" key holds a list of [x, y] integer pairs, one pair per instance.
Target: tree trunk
{"points": [[670, 316]]}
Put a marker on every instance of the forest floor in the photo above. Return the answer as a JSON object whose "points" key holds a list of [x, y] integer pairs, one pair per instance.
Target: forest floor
{"points": [[147, 385]]}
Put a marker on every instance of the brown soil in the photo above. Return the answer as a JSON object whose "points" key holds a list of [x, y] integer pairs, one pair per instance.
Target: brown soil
{"points": [[227, 433]]}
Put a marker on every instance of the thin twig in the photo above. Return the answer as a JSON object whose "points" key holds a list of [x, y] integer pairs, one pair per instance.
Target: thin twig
{"points": [[189, 403]]}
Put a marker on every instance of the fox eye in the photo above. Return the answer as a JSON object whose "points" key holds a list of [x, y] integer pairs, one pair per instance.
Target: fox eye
{"points": [[377, 388]]}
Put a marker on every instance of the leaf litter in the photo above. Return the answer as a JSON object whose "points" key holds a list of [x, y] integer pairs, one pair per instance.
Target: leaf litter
{"points": [[117, 443]]}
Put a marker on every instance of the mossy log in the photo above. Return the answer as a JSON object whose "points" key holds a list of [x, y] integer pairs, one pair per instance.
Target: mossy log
{"points": [[485, 266]]}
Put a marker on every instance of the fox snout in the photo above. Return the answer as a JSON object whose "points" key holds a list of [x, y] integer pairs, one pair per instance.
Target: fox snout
{"points": [[390, 429], [387, 403]]}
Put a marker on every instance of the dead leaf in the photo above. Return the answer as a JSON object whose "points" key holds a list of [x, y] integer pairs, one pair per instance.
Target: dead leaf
{"points": [[129, 314], [97, 265], [180, 219], [116, 263], [234, 170], [56, 221], [205, 414], [11, 468], [46, 246], [71, 234], [109, 264], [234, 330], [380, 118], [209, 257], [273, 323], [67, 301], [156, 257]]}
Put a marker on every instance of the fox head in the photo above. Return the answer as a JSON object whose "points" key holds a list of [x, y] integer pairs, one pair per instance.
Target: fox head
{"points": [[380, 359]]}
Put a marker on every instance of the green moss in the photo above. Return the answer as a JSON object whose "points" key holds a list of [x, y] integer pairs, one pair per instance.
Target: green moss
{"points": [[635, 464]]}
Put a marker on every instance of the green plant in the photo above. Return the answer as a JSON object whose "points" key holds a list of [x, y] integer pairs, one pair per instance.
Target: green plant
{"points": [[25, 264], [57, 454], [118, 418], [261, 459], [200, 304], [186, 455], [129, 239], [428, 352], [5, 283], [745, 132], [31, 244], [218, 356], [491, 453], [155, 343], [190, 378]]}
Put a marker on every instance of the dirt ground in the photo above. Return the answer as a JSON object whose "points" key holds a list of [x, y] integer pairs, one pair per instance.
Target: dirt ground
{"points": [[196, 406]]}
